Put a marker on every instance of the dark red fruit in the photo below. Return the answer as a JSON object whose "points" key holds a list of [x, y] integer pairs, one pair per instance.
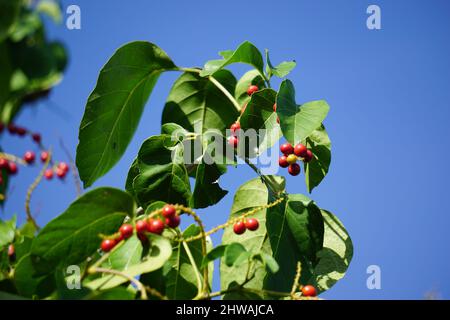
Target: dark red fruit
{"points": [[239, 227], [48, 174], [173, 222], [12, 129], [286, 149], [21, 131], [252, 224], [252, 89], [235, 127], [12, 167], [3, 163], [29, 157], [36, 137], [141, 226], [282, 161], [142, 237], [2, 127], [11, 250], [294, 169], [63, 166], [278, 120], [44, 156], [233, 141], [108, 244], [169, 211], [309, 291], [300, 150], [308, 157], [274, 107], [156, 226], [60, 173], [126, 230]]}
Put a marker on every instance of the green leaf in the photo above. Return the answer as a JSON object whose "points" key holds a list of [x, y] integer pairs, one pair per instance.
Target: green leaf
{"points": [[28, 281], [232, 253], [162, 174], [336, 254], [7, 231], [214, 254], [298, 122], [74, 235], [197, 105], [252, 77], [9, 12], [50, 8], [270, 262], [245, 53], [132, 260], [117, 293], [320, 145], [114, 108], [28, 24], [281, 70]]}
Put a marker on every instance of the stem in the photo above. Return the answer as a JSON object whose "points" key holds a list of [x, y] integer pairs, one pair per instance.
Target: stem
{"points": [[296, 280], [75, 174], [266, 179], [13, 158], [194, 266]]}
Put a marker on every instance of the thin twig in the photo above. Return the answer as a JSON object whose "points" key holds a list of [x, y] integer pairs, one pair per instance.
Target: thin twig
{"points": [[296, 280], [76, 176]]}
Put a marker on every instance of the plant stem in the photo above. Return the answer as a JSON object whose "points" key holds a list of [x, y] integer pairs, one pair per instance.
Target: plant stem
{"points": [[194, 266]]}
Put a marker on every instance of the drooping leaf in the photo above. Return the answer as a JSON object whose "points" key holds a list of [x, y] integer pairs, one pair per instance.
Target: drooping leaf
{"points": [[320, 145], [74, 235], [7, 231], [298, 122], [252, 77], [281, 70], [114, 108], [214, 254], [233, 252], [245, 53]]}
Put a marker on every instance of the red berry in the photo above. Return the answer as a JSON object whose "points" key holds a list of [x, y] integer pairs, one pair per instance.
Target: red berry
{"points": [[126, 230], [141, 226], [44, 156], [308, 157], [119, 238], [12, 167], [48, 174], [3, 163], [63, 166], [309, 291], [36, 137], [21, 131], [252, 89], [274, 107], [11, 250], [233, 141], [252, 224], [287, 149], [142, 237], [156, 226], [29, 157], [108, 244], [173, 222], [235, 127], [294, 169], [282, 161], [168, 211], [278, 120], [300, 150], [2, 127], [239, 227], [12, 129], [60, 173]]}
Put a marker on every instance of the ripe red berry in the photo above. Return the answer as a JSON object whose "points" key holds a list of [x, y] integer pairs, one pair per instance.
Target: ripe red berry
{"points": [[300, 150], [308, 157], [63, 166], [173, 222], [21, 131], [36, 137], [282, 162], [2, 127], [235, 127], [126, 230], [309, 291], [239, 227], [291, 159], [252, 224], [286, 149], [233, 141], [44, 156], [294, 169], [12, 129], [48, 174], [156, 226], [274, 107], [141, 226], [60, 173], [142, 237], [3, 163], [11, 250], [29, 157], [12, 167], [252, 89], [278, 120], [168, 211], [108, 244]]}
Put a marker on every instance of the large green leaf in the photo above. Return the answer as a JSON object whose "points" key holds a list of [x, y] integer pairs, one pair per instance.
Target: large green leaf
{"points": [[245, 53], [252, 77], [336, 254], [320, 145], [7, 231], [9, 12], [114, 108], [162, 174], [74, 235], [133, 260], [197, 105], [28, 281], [298, 122]]}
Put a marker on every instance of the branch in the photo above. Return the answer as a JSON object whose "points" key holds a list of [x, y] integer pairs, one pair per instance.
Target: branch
{"points": [[75, 174]]}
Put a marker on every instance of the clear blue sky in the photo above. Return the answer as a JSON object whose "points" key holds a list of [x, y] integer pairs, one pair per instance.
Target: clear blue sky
{"points": [[389, 96]]}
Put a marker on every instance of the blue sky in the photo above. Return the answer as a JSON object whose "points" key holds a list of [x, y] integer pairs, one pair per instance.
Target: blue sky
{"points": [[389, 96]]}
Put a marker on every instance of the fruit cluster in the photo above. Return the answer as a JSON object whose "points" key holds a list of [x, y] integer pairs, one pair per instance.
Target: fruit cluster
{"points": [[153, 225], [291, 155], [21, 132], [251, 224]]}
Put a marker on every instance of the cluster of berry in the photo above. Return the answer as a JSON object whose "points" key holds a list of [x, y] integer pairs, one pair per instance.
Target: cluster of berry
{"points": [[20, 131], [251, 224], [291, 155], [156, 226]]}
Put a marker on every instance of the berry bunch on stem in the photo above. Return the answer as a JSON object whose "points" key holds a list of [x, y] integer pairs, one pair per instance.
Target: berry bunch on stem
{"points": [[290, 156]]}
